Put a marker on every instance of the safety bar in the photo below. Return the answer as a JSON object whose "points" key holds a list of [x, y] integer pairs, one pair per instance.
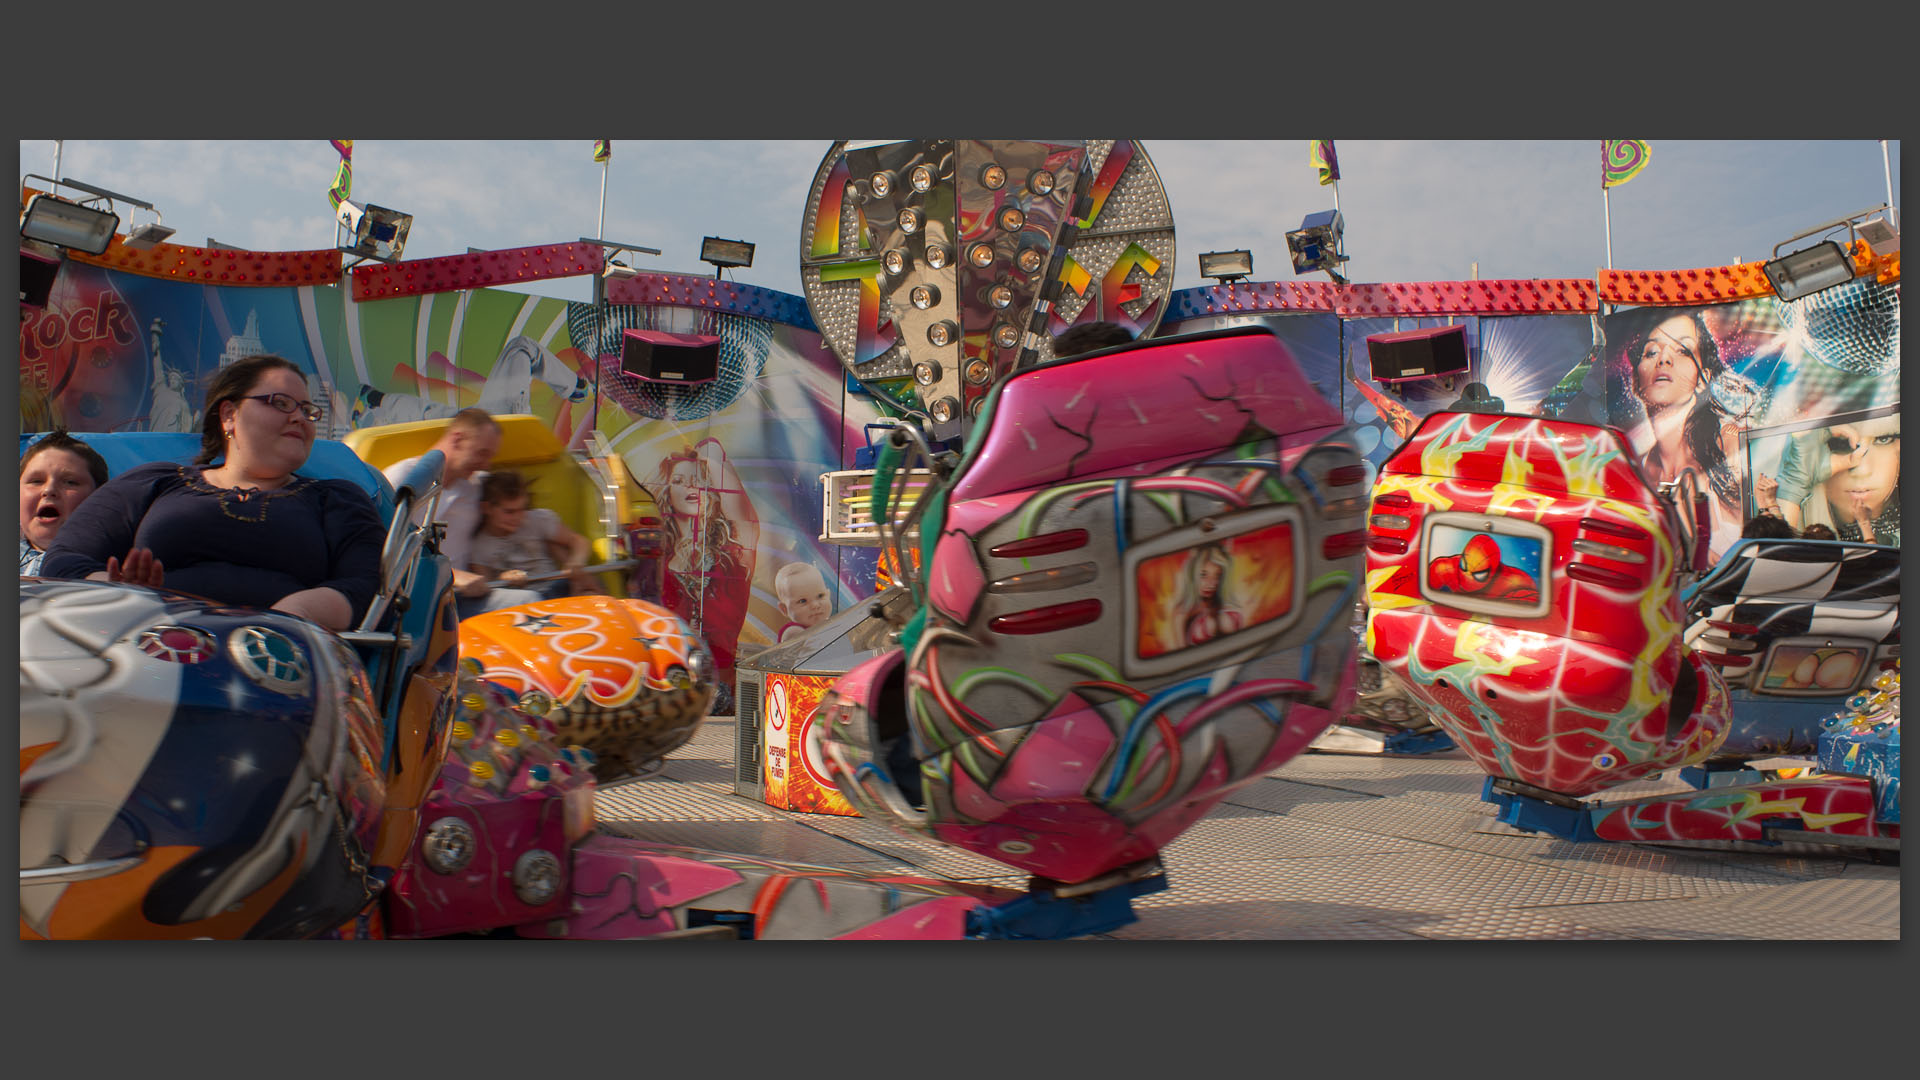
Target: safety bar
{"points": [[86, 871]]}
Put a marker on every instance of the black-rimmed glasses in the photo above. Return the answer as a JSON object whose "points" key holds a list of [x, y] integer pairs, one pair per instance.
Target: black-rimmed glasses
{"points": [[286, 404]]}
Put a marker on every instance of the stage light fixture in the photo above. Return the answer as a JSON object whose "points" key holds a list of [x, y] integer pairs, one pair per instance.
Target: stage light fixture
{"points": [[1225, 266], [617, 269], [1315, 245], [374, 232]]}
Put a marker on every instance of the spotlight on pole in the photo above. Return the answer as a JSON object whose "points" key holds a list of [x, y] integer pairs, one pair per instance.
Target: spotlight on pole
{"points": [[373, 232], [725, 253], [1826, 264], [1315, 245]]}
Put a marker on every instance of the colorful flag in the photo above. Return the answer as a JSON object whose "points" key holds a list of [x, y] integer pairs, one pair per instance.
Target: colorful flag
{"points": [[1320, 156], [342, 187], [1621, 160], [603, 150]]}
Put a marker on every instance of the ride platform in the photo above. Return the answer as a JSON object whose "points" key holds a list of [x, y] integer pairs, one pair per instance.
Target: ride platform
{"points": [[1342, 847]]}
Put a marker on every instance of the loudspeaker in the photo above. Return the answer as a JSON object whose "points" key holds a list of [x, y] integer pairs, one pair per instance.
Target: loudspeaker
{"points": [[660, 357], [1432, 353], [36, 278]]}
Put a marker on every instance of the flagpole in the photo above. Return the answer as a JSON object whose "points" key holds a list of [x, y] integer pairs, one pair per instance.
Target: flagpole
{"points": [[1606, 204], [599, 296], [1893, 216], [1341, 247]]}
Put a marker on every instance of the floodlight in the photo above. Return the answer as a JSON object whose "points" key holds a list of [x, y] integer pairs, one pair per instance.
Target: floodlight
{"points": [[1880, 235], [375, 231], [68, 224], [1809, 270], [1826, 264], [725, 253], [142, 237], [617, 269], [1226, 266]]}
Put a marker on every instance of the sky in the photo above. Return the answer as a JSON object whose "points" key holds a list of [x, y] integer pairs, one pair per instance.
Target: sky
{"points": [[1414, 210]]}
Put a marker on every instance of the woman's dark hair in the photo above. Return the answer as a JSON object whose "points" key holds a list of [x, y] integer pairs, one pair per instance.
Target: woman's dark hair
{"points": [[58, 439], [1703, 426], [231, 383], [1768, 527], [1817, 531]]}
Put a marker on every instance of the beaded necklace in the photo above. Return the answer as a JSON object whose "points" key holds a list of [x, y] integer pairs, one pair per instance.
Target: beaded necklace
{"points": [[241, 504]]}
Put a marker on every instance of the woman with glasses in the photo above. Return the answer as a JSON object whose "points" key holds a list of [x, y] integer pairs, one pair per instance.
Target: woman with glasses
{"points": [[239, 526]]}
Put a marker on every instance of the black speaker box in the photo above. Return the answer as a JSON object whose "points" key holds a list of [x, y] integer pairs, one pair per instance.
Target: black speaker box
{"points": [[36, 278], [678, 359], [1431, 353]]}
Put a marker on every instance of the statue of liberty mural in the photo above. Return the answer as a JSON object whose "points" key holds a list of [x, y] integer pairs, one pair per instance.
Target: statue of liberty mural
{"points": [[170, 410]]}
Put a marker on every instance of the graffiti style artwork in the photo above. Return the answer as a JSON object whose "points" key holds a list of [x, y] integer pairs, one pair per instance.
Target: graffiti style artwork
{"points": [[1037, 735], [1581, 687]]}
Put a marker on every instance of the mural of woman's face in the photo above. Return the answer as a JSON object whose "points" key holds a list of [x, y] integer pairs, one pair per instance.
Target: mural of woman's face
{"points": [[1869, 468], [683, 488], [1667, 371], [1208, 578]]}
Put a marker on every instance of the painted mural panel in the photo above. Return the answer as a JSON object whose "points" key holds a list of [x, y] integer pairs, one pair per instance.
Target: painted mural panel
{"points": [[1692, 386]]}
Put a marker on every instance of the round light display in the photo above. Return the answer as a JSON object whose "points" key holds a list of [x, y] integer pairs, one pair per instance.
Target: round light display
{"points": [[941, 333], [980, 255], [881, 184], [1011, 219], [921, 178], [1006, 335], [923, 296], [993, 177], [1040, 182], [895, 261], [909, 220], [936, 256], [979, 371], [943, 410], [1030, 260], [926, 372], [1000, 296]]}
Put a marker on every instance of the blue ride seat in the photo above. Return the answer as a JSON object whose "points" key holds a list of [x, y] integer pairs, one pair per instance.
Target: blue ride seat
{"points": [[330, 460]]}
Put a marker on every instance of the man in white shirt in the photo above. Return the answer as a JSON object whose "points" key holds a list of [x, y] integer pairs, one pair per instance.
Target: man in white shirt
{"points": [[469, 443]]}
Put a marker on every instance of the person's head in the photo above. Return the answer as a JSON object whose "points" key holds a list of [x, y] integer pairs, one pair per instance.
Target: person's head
{"points": [[257, 416], [57, 473], [1208, 569], [1673, 360], [470, 441], [1866, 463], [802, 593], [1818, 531], [1478, 561], [1089, 337], [504, 499], [684, 478], [1768, 526]]}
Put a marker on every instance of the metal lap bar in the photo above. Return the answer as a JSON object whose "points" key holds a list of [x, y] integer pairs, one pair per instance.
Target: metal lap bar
{"points": [[86, 871]]}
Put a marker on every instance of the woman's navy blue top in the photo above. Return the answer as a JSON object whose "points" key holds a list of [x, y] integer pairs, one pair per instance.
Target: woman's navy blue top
{"points": [[243, 547]]}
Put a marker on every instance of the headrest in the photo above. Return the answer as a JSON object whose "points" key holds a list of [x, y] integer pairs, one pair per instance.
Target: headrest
{"points": [[524, 440], [330, 460]]}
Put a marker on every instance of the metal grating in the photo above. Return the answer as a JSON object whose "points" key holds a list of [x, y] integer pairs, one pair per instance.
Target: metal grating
{"points": [[746, 735]]}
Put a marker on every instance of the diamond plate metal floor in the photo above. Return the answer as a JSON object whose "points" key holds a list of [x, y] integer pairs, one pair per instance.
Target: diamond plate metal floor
{"points": [[1340, 846]]}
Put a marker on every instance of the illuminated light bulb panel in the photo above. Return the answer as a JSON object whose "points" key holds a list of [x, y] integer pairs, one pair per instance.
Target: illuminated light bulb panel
{"points": [[934, 255]]}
